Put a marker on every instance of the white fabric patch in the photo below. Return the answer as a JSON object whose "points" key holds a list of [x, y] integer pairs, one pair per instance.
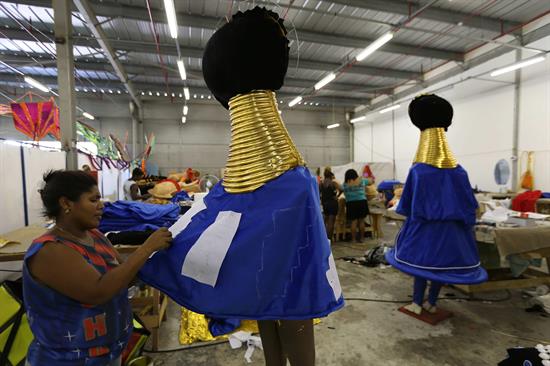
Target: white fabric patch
{"points": [[204, 260], [185, 220], [332, 277]]}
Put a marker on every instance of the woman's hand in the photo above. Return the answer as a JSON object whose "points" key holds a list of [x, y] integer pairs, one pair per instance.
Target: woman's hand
{"points": [[160, 239]]}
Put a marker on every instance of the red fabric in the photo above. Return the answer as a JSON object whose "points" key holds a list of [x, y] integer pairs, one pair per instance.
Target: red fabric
{"points": [[525, 202], [178, 188]]}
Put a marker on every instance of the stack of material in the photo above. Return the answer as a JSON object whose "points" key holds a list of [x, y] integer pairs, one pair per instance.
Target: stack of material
{"points": [[137, 216]]}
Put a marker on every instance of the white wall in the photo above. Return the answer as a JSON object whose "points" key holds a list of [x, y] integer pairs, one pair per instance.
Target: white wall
{"points": [[482, 129], [203, 141]]}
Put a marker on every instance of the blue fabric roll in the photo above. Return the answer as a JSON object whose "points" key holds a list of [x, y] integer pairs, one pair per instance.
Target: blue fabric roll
{"points": [[276, 261], [137, 216], [437, 241], [386, 187], [180, 196]]}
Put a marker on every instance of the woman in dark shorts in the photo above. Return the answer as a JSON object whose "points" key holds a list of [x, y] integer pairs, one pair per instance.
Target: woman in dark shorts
{"points": [[356, 203], [329, 198]]}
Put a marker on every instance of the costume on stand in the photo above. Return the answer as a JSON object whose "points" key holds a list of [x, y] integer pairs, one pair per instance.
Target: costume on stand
{"points": [[256, 246], [437, 241]]}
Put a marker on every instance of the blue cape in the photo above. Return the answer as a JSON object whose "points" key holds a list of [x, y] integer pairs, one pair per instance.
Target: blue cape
{"points": [[257, 255], [437, 241]]}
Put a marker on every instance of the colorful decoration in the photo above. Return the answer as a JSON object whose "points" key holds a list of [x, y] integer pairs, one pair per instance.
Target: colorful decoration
{"points": [[35, 120]]}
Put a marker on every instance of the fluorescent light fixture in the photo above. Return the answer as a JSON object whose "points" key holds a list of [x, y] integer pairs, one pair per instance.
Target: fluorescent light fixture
{"points": [[76, 89], [85, 90], [119, 92], [142, 93], [194, 96], [389, 109], [110, 91], [295, 101], [371, 48], [186, 92], [150, 93], [327, 79], [173, 95], [185, 110], [171, 17], [165, 94], [88, 115], [93, 90], [519, 65], [180, 95], [358, 119], [103, 91], [333, 126], [36, 84], [181, 68], [183, 119], [158, 94]]}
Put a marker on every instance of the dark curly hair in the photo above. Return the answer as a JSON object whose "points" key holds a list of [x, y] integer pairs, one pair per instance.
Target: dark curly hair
{"points": [[248, 53], [64, 183], [351, 174]]}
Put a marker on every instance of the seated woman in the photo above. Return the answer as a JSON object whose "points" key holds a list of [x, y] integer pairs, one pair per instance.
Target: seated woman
{"points": [[74, 281]]}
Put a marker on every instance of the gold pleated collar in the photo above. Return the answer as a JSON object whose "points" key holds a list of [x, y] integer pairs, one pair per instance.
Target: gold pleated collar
{"points": [[433, 149], [261, 148]]}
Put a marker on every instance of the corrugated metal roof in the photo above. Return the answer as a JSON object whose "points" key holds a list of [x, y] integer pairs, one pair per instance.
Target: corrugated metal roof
{"points": [[320, 17]]}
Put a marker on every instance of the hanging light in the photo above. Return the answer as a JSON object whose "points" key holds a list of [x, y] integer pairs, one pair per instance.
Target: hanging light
{"points": [[389, 109], [181, 68], [371, 48], [333, 126], [327, 79], [171, 17], [186, 92], [88, 115], [295, 101], [185, 110], [183, 119], [357, 119], [36, 84], [518, 65]]}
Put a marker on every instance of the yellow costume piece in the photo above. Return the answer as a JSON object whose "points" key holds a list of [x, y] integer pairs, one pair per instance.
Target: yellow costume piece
{"points": [[194, 328]]}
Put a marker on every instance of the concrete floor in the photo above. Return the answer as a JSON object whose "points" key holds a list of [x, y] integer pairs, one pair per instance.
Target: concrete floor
{"points": [[372, 333]]}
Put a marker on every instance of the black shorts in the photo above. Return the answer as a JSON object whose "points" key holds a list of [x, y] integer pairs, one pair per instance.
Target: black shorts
{"points": [[330, 208], [356, 210]]}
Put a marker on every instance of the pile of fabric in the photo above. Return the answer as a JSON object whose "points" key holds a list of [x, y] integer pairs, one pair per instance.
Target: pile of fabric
{"points": [[137, 216]]}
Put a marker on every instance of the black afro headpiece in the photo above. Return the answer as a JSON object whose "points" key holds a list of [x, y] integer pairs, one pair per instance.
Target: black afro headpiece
{"points": [[431, 111], [248, 53]]}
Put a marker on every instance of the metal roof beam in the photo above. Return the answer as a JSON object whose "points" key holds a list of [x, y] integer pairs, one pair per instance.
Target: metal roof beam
{"points": [[433, 13], [11, 79], [528, 38], [89, 16], [155, 70], [196, 52], [114, 10]]}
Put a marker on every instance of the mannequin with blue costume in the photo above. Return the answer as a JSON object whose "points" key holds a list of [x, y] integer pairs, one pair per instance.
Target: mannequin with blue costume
{"points": [[255, 247], [437, 241]]}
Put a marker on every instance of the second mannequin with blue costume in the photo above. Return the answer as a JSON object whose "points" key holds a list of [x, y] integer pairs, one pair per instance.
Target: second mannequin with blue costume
{"points": [[437, 241]]}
